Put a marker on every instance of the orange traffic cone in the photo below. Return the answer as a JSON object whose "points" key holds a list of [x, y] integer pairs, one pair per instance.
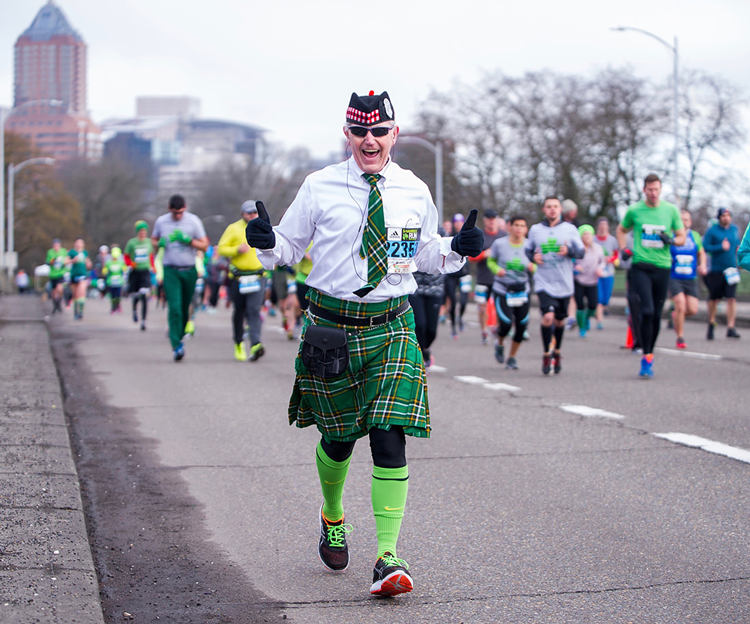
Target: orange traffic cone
{"points": [[491, 314], [629, 338]]}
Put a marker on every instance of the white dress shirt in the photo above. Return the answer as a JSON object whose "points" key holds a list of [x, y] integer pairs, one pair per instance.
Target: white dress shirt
{"points": [[331, 209]]}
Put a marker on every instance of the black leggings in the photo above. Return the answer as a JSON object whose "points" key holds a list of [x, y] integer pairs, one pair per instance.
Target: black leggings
{"points": [[589, 293], [452, 284], [649, 285], [507, 315], [388, 448], [426, 316]]}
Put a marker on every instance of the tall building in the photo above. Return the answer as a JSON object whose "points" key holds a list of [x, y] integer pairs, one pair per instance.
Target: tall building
{"points": [[49, 104]]}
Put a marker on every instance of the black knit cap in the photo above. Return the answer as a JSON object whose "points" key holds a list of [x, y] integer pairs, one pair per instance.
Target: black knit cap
{"points": [[368, 110]]}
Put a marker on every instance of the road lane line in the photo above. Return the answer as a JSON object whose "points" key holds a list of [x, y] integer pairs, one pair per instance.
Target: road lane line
{"points": [[689, 354], [437, 369], [590, 412], [470, 379], [710, 446], [501, 386]]}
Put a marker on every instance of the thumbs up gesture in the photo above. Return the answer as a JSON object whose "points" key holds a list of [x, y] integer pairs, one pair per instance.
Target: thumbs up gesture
{"points": [[469, 241], [259, 232]]}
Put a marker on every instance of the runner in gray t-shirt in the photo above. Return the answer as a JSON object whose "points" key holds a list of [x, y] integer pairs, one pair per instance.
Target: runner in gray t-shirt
{"points": [[181, 234], [552, 245]]}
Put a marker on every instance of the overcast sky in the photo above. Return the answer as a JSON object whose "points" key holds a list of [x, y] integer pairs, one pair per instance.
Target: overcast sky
{"points": [[290, 66]]}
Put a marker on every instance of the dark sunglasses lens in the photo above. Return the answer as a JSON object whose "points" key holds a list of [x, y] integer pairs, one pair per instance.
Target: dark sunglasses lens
{"points": [[379, 132], [361, 132], [358, 131]]}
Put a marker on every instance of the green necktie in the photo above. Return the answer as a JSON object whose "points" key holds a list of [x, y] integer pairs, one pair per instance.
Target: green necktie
{"points": [[373, 238]]}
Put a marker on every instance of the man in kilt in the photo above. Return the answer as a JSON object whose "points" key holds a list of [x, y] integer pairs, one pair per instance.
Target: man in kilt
{"points": [[359, 370]]}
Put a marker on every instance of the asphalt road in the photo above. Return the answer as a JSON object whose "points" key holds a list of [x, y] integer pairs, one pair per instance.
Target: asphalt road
{"points": [[518, 511]]}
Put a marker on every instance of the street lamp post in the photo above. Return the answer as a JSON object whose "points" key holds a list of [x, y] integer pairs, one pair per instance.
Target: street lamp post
{"points": [[673, 49], [12, 170], [437, 149], [2, 173]]}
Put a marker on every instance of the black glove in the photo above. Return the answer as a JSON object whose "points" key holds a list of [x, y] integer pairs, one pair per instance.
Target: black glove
{"points": [[469, 241], [625, 254], [666, 238], [259, 232]]}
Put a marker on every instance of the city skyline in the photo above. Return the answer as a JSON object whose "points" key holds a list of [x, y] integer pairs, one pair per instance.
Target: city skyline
{"points": [[260, 65]]}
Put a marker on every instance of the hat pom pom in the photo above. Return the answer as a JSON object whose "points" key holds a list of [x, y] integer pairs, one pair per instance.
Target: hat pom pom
{"points": [[372, 93]]}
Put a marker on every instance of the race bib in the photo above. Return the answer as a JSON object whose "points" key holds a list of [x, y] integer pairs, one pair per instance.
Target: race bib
{"points": [[732, 275], [141, 255], [480, 293], [684, 265], [516, 299], [115, 280], [464, 284], [291, 286], [249, 284], [401, 247], [58, 264], [650, 236], [100, 284], [199, 285]]}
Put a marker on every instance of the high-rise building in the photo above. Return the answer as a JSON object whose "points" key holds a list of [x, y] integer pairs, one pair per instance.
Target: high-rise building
{"points": [[49, 104]]}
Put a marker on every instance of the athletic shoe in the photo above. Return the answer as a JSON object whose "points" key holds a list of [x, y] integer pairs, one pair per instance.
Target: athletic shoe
{"points": [[178, 353], [570, 323], [600, 325], [512, 364], [681, 343], [546, 364], [454, 334], [582, 332], [710, 332], [239, 352], [290, 334], [390, 577], [135, 316], [332, 548], [143, 325], [557, 363], [647, 369], [256, 351], [484, 337], [189, 328], [732, 333], [460, 324], [500, 353]]}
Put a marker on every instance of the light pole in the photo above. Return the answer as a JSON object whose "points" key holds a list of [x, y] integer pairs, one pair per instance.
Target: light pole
{"points": [[12, 170], [2, 170], [673, 49], [437, 149]]}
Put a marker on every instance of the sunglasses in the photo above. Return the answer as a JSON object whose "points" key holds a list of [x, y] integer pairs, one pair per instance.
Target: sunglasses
{"points": [[361, 131]]}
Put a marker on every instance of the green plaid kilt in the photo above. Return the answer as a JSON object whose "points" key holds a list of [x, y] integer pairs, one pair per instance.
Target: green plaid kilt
{"points": [[384, 385]]}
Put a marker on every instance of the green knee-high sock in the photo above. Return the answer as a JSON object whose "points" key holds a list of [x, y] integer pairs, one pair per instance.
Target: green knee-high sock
{"points": [[389, 489], [332, 478], [581, 319]]}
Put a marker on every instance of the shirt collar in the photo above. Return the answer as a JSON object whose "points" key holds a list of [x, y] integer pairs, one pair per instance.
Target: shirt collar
{"points": [[383, 173]]}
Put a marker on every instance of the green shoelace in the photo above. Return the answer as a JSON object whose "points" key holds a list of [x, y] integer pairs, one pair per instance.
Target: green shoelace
{"points": [[337, 534], [392, 562]]}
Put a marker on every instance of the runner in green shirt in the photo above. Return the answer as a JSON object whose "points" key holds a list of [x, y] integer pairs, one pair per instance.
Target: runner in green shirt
{"points": [[114, 272], [80, 263], [653, 223], [139, 252], [56, 261]]}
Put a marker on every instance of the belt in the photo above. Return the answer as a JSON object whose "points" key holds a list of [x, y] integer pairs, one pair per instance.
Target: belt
{"points": [[369, 321]]}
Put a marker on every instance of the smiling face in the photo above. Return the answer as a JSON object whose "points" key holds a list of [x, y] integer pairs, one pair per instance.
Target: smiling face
{"points": [[370, 152]]}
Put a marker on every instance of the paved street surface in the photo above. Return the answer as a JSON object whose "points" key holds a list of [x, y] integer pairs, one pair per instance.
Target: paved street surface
{"points": [[592, 496]]}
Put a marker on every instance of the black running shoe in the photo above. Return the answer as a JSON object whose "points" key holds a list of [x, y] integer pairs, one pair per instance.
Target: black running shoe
{"points": [[500, 353], [332, 548], [732, 333], [390, 577], [558, 363], [546, 364], [710, 332]]}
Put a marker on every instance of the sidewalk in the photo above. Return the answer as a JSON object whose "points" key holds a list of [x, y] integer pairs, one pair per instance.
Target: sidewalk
{"points": [[46, 569]]}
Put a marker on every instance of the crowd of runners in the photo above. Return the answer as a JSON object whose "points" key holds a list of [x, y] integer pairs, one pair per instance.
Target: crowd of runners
{"points": [[362, 274]]}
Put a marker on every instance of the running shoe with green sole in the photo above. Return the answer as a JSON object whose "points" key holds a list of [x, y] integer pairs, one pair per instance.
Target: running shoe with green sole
{"points": [[239, 352]]}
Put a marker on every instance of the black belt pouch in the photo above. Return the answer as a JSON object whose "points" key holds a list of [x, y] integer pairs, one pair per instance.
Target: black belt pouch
{"points": [[325, 352]]}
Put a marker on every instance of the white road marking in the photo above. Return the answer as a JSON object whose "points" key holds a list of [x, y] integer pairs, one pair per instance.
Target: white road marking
{"points": [[470, 379], [707, 445], [437, 369], [688, 354], [501, 386], [590, 412]]}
